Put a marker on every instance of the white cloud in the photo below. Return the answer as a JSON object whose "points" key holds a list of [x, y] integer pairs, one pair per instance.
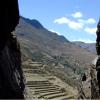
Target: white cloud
{"points": [[77, 15], [91, 21], [75, 25], [54, 32], [85, 40], [90, 30], [78, 23], [72, 24], [88, 21], [62, 20]]}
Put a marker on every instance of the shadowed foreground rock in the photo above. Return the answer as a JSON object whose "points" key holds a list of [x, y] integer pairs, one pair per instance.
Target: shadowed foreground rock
{"points": [[11, 74], [94, 84]]}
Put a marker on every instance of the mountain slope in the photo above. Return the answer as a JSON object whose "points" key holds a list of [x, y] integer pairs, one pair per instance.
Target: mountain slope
{"points": [[62, 58], [50, 43]]}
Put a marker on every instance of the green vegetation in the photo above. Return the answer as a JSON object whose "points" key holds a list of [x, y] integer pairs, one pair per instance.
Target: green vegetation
{"points": [[37, 56]]}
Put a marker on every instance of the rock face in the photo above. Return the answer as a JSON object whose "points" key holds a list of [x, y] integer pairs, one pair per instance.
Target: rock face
{"points": [[11, 75], [94, 84]]}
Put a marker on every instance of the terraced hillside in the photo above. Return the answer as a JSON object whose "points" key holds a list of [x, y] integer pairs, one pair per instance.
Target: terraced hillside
{"points": [[42, 85], [63, 63]]}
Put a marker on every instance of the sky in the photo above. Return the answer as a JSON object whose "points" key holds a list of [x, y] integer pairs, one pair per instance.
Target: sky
{"points": [[75, 19]]}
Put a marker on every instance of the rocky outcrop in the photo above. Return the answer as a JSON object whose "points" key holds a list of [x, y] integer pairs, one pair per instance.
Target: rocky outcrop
{"points": [[11, 74], [94, 84]]}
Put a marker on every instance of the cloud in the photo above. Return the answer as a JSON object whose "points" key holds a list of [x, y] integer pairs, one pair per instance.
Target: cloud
{"points": [[78, 23], [54, 32], [90, 30], [85, 40], [75, 25], [72, 24], [62, 20], [77, 15], [91, 21], [88, 21]]}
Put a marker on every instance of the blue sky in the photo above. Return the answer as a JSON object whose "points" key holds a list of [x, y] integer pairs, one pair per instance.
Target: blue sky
{"points": [[75, 19]]}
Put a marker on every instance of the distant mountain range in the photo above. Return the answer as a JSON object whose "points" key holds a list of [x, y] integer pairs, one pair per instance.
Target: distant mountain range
{"points": [[36, 24], [88, 46]]}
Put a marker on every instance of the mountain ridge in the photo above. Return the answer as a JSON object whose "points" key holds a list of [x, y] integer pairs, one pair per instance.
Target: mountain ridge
{"points": [[35, 23], [50, 43]]}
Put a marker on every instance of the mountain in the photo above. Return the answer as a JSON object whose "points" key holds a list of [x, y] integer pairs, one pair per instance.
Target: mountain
{"points": [[49, 43], [61, 57], [89, 46], [34, 23]]}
